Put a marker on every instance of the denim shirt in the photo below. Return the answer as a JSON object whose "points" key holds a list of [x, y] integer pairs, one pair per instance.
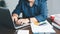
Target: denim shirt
{"points": [[38, 10]]}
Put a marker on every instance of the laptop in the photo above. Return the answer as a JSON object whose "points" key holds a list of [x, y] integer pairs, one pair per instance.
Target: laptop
{"points": [[6, 20]]}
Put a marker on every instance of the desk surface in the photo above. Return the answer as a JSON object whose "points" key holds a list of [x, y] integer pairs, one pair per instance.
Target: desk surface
{"points": [[57, 31], [10, 31], [5, 30]]}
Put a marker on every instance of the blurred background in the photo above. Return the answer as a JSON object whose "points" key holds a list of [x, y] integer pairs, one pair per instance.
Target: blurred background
{"points": [[53, 5], [2, 3]]}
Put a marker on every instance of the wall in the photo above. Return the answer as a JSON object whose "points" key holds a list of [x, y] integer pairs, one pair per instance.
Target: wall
{"points": [[11, 4], [56, 7]]}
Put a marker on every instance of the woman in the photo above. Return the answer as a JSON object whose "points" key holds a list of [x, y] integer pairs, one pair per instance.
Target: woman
{"points": [[33, 10]]}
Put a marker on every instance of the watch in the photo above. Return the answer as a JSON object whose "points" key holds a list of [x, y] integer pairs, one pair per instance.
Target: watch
{"points": [[29, 20]]}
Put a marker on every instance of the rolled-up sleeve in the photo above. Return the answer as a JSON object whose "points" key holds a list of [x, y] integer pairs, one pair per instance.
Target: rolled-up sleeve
{"points": [[17, 10], [43, 12]]}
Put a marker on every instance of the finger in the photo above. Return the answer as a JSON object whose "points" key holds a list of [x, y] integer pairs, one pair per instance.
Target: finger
{"points": [[19, 22], [15, 18]]}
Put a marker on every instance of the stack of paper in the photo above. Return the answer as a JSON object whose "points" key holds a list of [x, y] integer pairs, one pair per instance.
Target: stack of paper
{"points": [[46, 28], [22, 31]]}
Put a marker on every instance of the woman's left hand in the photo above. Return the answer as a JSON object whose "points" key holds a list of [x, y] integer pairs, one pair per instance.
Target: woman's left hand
{"points": [[23, 20]]}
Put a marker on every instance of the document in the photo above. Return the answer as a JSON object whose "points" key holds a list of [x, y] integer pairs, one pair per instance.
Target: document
{"points": [[45, 28], [22, 31]]}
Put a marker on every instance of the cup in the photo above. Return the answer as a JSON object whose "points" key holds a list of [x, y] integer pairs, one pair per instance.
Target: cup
{"points": [[52, 18]]}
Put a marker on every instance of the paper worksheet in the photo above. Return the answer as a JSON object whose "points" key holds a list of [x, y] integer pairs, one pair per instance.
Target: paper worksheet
{"points": [[46, 28], [22, 31]]}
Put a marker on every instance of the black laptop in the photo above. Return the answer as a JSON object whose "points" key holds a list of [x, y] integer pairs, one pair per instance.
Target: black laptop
{"points": [[6, 20]]}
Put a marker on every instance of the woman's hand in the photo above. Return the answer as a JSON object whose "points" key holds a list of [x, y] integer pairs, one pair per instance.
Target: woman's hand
{"points": [[22, 21], [15, 17], [34, 20]]}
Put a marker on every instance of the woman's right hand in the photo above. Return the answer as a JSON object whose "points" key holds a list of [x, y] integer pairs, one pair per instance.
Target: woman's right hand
{"points": [[15, 17]]}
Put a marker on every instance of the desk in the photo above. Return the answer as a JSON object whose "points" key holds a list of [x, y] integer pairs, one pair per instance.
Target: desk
{"points": [[5, 30], [10, 31], [57, 31]]}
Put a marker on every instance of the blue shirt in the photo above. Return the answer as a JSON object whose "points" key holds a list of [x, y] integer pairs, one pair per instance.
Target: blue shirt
{"points": [[38, 10]]}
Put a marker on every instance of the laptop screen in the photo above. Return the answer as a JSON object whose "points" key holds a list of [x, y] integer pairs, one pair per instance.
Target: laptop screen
{"points": [[5, 18]]}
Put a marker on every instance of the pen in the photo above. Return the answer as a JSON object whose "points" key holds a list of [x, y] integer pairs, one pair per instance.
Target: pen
{"points": [[42, 23]]}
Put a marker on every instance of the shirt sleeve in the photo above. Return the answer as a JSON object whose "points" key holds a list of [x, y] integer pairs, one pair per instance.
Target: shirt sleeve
{"points": [[17, 10], [43, 12]]}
